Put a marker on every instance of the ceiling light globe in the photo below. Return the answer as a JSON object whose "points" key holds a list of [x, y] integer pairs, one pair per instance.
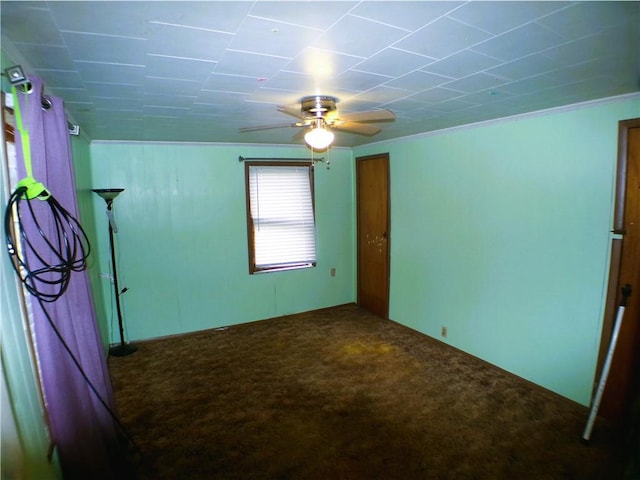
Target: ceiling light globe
{"points": [[319, 138]]}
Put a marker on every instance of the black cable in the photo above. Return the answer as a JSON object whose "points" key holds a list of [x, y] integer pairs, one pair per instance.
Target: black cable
{"points": [[87, 380], [46, 281], [69, 248]]}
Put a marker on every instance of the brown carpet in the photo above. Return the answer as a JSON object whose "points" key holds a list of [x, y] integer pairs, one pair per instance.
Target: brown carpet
{"points": [[342, 394]]}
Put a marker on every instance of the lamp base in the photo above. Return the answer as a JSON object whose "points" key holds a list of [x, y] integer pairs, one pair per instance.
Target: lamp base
{"points": [[122, 350]]}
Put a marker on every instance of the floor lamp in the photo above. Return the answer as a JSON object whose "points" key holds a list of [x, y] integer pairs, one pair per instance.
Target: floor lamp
{"points": [[109, 194]]}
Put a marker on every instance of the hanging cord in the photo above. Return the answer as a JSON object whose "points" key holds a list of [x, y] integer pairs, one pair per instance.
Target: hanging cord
{"points": [[87, 380], [69, 249]]}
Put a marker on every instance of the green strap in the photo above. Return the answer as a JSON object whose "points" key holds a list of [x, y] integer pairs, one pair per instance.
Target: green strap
{"points": [[34, 189]]}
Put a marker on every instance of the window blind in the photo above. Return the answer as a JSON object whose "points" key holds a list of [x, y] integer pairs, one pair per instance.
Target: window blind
{"points": [[282, 216]]}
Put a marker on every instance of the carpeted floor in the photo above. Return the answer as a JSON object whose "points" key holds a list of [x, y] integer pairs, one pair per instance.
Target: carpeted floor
{"points": [[342, 394]]}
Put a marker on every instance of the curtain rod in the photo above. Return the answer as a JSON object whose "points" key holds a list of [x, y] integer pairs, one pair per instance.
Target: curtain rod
{"points": [[17, 78], [242, 159], [45, 103]]}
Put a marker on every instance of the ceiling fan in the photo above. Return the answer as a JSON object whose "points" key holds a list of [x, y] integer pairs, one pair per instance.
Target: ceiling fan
{"points": [[318, 115]]}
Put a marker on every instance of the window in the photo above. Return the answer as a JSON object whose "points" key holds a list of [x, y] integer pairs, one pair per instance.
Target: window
{"points": [[280, 215]]}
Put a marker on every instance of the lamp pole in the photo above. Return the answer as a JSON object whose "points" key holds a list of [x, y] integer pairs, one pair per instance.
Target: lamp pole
{"points": [[123, 349]]}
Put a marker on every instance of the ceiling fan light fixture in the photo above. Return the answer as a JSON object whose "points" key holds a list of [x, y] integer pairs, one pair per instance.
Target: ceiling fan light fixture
{"points": [[319, 138]]}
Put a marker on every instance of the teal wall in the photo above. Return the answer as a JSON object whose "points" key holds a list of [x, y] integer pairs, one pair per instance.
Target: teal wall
{"points": [[81, 155], [500, 232], [182, 241]]}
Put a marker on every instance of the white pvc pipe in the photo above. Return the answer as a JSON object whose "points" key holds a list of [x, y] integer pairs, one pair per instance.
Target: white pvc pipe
{"points": [[603, 377], [112, 220]]}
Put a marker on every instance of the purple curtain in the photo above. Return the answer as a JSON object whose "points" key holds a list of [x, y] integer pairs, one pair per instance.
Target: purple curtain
{"points": [[81, 427]]}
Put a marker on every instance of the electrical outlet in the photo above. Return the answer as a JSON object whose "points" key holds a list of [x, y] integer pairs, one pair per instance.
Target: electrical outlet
{"points": [[443, 332], [333, 272]]}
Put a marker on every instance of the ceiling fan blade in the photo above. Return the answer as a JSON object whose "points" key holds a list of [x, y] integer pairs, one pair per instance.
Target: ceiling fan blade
{"points": [[294, 112], [360, 128], [300, 134], [267, 127], [371, 116]]}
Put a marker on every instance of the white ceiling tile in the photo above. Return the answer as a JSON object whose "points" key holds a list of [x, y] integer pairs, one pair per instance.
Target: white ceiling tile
{"points": [[19, 18], [525, 40], [461, 64], [110, 73], [259, 35], [403, 14], [474, 83], [164, 111], [524, 67], [105, 48], [529, 85], [317, 15], [619, 68], [6, 5], [221, 16], [250, 64], [291, 81], [231, 83], [257, 112], [567, 93], [115, 90], [613, 41], [107, 114], [87, 117], [322, 63], [46, 57], [183, 68], [357, 81], [383, 94], [61, 78], [353, 104], [500, 16], [169, 86], [404, 105], [78, 96], [417, 81], [393, 62], [587, 18], [121, 104], [226, 98], [172, 100], [450, 106], [206, 112], [266, 99], [357, 36], [582, 71], [488, 98], [435, 95], [126, 19], [442, 38], [187, 42]]}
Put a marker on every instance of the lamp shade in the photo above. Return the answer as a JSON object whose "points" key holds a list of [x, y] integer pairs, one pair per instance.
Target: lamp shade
{"points": [[319, 138], [108, 193]]}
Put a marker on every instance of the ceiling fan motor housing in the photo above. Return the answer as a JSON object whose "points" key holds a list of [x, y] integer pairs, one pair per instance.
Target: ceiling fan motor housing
{"points": [[318, 105]]}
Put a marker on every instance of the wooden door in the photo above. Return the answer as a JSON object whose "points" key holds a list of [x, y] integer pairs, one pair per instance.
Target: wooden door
{"points": [[372, 195], [622, 382]]}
